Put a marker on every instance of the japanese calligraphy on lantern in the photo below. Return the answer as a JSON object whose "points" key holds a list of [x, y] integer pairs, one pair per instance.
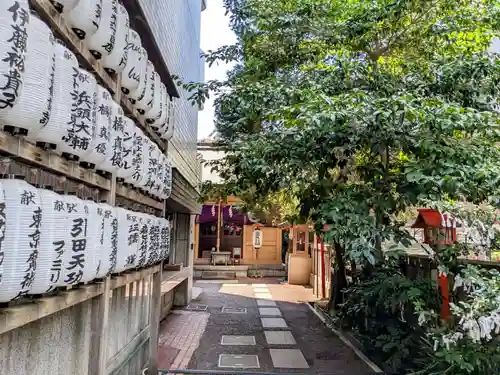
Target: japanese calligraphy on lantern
{"points": [[138, 158], [57, 263], [257, 238], [108, 47], [34, 244], [114, 245], [11, 79], [143, 244], [3, 221], [154, 242], [78, 235], [80, 128], [102, 133], [117, 144], [46, 114]]}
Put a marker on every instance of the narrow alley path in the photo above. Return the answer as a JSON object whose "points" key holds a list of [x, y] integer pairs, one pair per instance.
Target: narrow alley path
{"points": [[260, 326]]}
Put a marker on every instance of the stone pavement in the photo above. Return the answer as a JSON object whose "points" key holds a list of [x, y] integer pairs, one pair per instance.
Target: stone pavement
{"points": [[257, 326]]}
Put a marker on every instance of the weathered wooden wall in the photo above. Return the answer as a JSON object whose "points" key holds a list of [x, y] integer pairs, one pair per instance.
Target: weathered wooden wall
{"points": [[270, 251]]}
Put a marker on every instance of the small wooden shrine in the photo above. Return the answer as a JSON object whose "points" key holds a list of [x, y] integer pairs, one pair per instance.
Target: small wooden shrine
{"points": [[439, 228]]}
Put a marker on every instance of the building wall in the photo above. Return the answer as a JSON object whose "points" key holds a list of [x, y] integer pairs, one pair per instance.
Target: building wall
{"points": [[176, 28], [269, 253], [206, 173]]}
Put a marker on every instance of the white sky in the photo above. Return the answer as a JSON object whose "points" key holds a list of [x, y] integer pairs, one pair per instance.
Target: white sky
{"points": [[215, 32]]}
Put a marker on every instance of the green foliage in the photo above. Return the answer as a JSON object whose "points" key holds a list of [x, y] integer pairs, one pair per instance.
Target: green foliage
{"points": [[366, 109], [384, 104]]}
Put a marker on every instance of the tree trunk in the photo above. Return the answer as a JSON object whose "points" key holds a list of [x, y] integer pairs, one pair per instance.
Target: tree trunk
{"points": [[340, 280]]}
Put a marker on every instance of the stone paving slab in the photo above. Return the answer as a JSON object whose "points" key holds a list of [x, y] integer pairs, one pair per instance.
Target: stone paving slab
{"points": [[237, 340], [234, 310], [280, 338], [323, 351], [263, 295], [273, 323], [288, 358], [269, 311], [241, 361]]}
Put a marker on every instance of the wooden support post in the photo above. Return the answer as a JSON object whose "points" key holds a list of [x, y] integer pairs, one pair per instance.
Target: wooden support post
{"points": [[219, 238], [99, 338], [100, 305], [154, 321], [173, 240]]}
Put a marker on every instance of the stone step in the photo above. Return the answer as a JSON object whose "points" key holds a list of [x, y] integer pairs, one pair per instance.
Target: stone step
{"points": [[266, 273], [216, 275]]}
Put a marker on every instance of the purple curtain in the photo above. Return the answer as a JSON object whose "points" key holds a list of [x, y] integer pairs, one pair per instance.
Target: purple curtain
{"points": [[229, 215], [232, 215], [208, 213]]}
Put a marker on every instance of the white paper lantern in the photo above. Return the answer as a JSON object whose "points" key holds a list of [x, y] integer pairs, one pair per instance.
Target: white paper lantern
{"points": [[158, 124], [99, 148], [164, 239], [113, 161], [154, 113], [65, 64], [153, 239], [148, 149], [74, 257], [166, 178], [20, 234], [14, 20], [157, 188], [144, 102], [128, 239], [134, 70], [53, 243], [33, 108], [127, 169], [84, 18], [108, 240], [152, 174], [116, 61], [142, 247], [61, 5], [168, 130], [143, 79], [166, 231], [78, 133], [102, 42], [92, 255], [138, 159]]}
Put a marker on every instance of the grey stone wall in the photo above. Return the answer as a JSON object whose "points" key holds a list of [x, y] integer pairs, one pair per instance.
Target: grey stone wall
{"points": [[61, 343]]}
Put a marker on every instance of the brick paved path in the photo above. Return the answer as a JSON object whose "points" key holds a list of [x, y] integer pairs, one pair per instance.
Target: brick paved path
{"points": [[262, 326]]}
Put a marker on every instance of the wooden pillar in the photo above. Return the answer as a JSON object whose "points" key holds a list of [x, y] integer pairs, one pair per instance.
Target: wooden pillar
{"points": [[100, 304], [154, 321], [219, 225]]}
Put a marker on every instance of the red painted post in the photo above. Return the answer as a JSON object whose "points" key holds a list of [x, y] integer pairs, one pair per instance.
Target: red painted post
{"points": [[323, 279]]}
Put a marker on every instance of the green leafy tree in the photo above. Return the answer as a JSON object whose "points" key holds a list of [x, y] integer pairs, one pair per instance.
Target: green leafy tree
{"points": [[360, 105], [365, 108]]}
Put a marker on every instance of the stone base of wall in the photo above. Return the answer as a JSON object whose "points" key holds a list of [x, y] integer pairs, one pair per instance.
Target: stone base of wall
{"points": [[235, 272]]}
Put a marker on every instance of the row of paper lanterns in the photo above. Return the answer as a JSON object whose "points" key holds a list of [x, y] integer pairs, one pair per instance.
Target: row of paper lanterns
{"points": [[104, 27], [45, 95], [49, 240]]}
